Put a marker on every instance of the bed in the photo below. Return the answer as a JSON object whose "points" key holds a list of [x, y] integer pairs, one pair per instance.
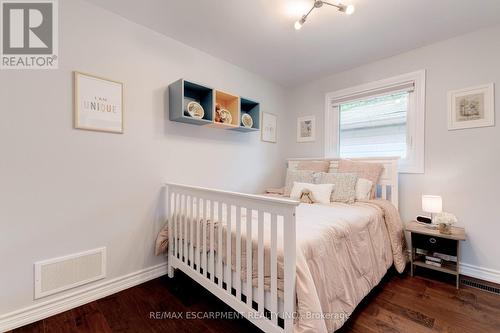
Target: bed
{"points": [[309, 265]]}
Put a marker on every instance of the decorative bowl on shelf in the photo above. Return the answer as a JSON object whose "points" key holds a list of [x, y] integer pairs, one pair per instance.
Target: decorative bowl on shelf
{"points": [[225, 116], [195, 110], [247, 120]]}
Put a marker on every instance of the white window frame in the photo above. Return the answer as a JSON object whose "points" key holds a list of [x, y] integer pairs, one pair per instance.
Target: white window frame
{"points": [[414, 163]]}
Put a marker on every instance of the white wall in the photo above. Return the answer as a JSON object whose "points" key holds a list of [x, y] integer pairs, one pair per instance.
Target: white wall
{"points": [[462, 166], [64, 190]]}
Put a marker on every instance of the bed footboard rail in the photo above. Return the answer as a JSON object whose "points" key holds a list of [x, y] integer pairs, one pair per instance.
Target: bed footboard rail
{"points": [[208, 230]]}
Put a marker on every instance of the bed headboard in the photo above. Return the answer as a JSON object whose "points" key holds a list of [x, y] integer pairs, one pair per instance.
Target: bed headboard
{"points": [[387, 187]]}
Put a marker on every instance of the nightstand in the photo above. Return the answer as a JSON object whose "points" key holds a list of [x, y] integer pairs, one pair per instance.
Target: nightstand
{"points": [[432, 241]]}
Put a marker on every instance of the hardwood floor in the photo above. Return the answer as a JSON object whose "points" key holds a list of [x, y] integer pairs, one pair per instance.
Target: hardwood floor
{"points": [[399, 304]]}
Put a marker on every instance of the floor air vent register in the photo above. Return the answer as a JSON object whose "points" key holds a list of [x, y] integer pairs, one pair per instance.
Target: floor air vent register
{"points": [[479, 284]]}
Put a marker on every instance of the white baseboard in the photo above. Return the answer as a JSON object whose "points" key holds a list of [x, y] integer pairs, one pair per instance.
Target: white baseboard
{"points": [[481, 273], [30, 314]]}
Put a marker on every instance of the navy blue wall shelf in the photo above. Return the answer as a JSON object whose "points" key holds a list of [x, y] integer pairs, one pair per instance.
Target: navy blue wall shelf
{"points": [[253, 109], [181, 92]]}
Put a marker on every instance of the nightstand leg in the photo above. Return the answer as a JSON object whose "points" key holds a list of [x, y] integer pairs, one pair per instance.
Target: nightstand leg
{"points": [[458, 264], [411, 257]]}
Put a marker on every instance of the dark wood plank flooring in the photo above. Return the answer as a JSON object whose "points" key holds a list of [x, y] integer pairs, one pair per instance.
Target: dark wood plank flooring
{"points": [[398, 304]]}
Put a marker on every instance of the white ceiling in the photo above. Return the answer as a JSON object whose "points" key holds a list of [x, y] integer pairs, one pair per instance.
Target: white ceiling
{"points": [[258, 35]]}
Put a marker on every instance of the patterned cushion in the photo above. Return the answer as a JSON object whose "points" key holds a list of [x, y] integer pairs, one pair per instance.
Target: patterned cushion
{"points": [[366, 170], [301, 176], [318, 166], [345, 185]]}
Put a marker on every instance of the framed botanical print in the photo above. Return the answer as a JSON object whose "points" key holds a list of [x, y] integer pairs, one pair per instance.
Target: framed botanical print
{"points": [[471, 107], [269, 130], [306, 129], [98, 104]]}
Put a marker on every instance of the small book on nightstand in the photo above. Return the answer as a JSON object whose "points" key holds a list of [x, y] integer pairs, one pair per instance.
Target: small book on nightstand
{"points": [[434, 259], [433, 263]]}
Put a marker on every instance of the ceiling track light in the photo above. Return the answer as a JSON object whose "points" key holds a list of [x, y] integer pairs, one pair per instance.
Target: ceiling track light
{"points": [[348, 10]]}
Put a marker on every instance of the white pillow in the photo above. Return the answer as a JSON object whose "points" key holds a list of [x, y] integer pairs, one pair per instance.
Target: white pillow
{"points": [[321, 192], [363, 189]]}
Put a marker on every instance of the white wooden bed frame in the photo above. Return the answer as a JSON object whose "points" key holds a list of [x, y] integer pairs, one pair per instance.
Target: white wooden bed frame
{"points": [[207, 268]]}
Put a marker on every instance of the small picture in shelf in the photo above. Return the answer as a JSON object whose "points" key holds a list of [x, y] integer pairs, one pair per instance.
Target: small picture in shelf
{"points": [[306, 129], [471, 107], [269, 123]]}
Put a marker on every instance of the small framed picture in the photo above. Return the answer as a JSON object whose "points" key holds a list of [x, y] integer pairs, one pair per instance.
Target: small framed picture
{"points": [[306, 129], [269, 124], [471, 107], [98, 104]]}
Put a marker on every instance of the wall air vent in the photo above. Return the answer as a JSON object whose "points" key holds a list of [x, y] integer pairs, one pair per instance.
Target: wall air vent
{"points": [[63, 273]]}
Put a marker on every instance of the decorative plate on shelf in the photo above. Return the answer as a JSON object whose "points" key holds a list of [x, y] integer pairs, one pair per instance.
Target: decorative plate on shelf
{"points": [[247, 120], [195, 110]]}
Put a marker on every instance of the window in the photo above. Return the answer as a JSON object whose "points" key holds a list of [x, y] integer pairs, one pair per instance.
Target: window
{"points": [[380, 119]]}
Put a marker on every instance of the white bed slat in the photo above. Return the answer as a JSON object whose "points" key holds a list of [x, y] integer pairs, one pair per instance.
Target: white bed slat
{"points": [[248, 221], [182, 227], [204, 225], [170, 217], [220, 273], [260, 263], [185, 223], [191, 230], [228, 246], [238, 253], [289, 248], [197, 224], [274, 274], [176, 226], [211, 266]]}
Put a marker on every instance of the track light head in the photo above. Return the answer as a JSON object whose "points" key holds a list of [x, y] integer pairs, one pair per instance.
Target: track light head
{"points": [[298, 25], [348, 10]]}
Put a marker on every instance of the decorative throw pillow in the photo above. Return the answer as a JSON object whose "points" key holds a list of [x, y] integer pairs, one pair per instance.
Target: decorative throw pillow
{"points": [[366, 170], [301, 176], [363, 189], [345, 185], [317, 192], [317, 166]]}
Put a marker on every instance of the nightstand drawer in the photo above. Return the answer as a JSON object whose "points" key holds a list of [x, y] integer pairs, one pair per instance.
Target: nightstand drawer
{"points": [[434, 244]]}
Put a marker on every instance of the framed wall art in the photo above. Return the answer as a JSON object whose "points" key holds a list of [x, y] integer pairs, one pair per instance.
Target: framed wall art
{"points": [[98, 104], [471, 107], [306, 129], [269, 127]]}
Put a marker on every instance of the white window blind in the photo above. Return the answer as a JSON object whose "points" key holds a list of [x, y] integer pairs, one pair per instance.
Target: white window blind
{"points": [[407, 86], [374, 126]]}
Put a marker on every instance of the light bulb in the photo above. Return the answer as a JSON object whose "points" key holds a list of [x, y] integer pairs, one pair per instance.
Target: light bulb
{"points": [[350, 9], [298, 25]]}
